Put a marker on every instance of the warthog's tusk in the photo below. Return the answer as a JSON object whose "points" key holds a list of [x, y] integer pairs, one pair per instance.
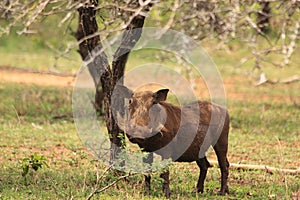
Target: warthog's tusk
{"points": [[121, 122], [161, 128]]}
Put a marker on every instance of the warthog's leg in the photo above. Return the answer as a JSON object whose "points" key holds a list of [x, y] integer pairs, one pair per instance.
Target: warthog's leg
{"points": [[148, 159], [221, 151], [203, 165], [147, 182], [165, 187]]}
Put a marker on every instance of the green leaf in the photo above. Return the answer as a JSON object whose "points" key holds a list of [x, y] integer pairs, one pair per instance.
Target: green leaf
{"points": [[25, 170], [256, 7]]}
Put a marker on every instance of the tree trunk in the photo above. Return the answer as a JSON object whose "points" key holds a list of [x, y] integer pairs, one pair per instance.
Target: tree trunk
{"points": [[263, 17], [104, 78], [87, 26], [130, 37]]}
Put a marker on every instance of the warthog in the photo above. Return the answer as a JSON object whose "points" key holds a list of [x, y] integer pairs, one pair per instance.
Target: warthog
{"points": [[183, 134]]}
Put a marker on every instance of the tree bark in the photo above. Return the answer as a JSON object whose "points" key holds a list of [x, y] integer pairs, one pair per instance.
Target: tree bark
{"points": [[130, 37], [263, 17], [87, 27], [104, 77]]}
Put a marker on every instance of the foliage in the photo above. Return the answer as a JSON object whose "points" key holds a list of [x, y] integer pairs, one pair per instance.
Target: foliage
{"points": [[207, 20], [34, 162], [122, 139], [264, 132], [33, 104]]}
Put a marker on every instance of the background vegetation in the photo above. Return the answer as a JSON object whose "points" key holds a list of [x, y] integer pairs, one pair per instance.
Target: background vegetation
{"points": [[36, 124]]}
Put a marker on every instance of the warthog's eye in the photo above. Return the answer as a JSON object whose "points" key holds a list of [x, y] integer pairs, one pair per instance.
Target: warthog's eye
{"points": [[130, 101]]}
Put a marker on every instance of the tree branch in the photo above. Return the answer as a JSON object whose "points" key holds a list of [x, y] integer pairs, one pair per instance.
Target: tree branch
{"points": [[99, 190]]}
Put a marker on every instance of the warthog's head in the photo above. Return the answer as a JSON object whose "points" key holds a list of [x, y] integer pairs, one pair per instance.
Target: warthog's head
{"points": [[144, 117]]}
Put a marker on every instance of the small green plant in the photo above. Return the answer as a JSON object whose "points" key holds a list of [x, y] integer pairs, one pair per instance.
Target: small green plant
{"points": [[122, 138], [34, 162]]}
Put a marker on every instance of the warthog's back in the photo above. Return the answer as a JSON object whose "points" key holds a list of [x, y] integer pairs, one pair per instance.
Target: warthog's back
{"points": [[202, 124]]}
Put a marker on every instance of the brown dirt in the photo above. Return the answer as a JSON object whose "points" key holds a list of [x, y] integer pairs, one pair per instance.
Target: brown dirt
{"points": [[53, 154], [232, 85], [29, 77], [22, 76]]}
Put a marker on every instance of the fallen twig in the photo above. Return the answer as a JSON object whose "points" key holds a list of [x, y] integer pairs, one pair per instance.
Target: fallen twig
{"points": [[62, 116], [268, 169], [264, 80]]}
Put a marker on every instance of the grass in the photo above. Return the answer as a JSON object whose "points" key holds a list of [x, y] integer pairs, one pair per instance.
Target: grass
{"points": [[42, 52], [35, 119], [263, 132]]}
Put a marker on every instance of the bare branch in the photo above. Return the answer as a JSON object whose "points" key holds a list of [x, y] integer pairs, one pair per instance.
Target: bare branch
{"points": [[220, 21], [99, 190], [289, 80]]}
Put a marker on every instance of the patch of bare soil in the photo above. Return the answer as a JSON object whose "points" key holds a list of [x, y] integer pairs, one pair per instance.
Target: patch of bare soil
{"points": [[53, 154], [235, 87], [31, 77], [232, 86]]}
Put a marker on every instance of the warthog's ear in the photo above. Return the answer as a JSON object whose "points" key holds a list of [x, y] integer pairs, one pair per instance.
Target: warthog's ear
{"points": [[160, 95], [122, 91]]}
